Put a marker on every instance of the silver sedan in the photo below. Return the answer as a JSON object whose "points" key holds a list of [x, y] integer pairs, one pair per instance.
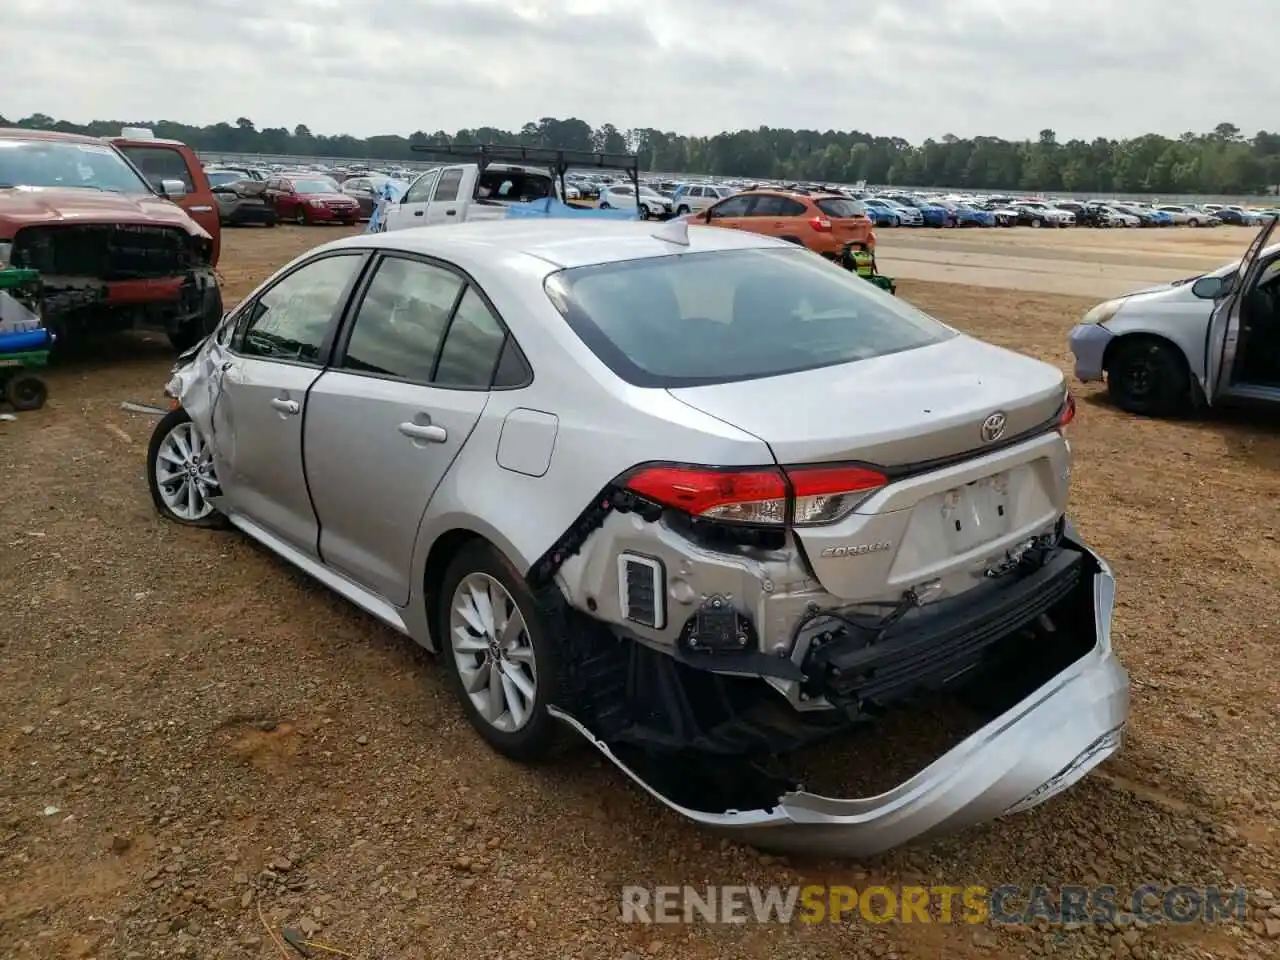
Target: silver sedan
{"points": [[696, 494]]}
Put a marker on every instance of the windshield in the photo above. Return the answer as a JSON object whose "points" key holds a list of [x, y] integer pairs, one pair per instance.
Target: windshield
{"points": [[61, 163], [646, 192], [700, 318], [220, 178], [314, 186]]}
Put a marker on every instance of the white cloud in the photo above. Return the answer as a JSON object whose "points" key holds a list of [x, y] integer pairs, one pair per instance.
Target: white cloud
{"points": [[911, 68]]}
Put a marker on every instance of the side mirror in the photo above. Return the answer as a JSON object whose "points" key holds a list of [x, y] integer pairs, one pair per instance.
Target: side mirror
{"points": [[173, 189], [1210, 288]]}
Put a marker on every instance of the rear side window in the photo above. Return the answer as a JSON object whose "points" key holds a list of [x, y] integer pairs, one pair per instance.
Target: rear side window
{"points": [[472, 346], [716, 317], [160, 163], [401, 319], [448, 188], [841, 209]]}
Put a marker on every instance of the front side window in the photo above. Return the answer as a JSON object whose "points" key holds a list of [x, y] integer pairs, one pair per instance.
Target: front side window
{"points": [[290, 320], [401, 319], [160, 163], [716, 317], [420, 192], [733, 207]]}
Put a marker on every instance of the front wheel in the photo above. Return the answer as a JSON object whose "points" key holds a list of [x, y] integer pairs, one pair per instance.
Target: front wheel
{"points": [[682, 211], [1148, 378], [503, 665], [1193, 222], [300, 216], [605, 205], [180, 473], [201, 325]]}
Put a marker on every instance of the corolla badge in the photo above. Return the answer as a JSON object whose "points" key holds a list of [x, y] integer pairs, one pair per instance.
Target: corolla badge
{"points": [[993, 427]]}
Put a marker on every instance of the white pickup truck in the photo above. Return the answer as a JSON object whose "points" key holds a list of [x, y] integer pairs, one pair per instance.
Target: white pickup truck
{"points": [[467, 192]]}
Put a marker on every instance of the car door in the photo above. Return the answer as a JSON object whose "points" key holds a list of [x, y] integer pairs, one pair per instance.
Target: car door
{"points": [[446, 206], [732, 213], [409, 381], [1224, 327], [280, 345], [411, 211]]}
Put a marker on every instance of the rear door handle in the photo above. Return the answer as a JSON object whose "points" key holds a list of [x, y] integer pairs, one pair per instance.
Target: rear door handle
{"points": [[451, 213], [290, 407], [418, 213], [428, 432]]}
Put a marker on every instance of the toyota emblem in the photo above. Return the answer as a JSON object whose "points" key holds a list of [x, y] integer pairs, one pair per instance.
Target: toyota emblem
{"points": [[993, 427]]}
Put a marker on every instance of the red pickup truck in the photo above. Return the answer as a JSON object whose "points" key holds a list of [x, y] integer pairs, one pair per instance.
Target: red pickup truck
{"points": [[104, 224]]}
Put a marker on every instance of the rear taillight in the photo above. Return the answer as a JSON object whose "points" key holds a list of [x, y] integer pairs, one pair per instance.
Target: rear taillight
{"points": [[1068, 411], [825, 494], [821, 224], [757, 495]]}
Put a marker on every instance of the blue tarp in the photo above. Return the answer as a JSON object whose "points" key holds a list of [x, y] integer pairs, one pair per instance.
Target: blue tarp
{"points": [[550, 207], [391, 192]]}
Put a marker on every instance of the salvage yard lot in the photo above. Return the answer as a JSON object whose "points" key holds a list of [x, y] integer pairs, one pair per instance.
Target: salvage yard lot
{"points": [[180, 711]]}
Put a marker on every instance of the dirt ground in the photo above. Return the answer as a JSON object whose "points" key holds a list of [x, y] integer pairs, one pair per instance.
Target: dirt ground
{"points": [[199, 745], [1092, 263]]}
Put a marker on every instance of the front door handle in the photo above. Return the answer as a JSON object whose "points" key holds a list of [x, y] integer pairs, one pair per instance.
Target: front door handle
{"points": [[418, 213], [451, 213], [290, 407], [427, 432]]}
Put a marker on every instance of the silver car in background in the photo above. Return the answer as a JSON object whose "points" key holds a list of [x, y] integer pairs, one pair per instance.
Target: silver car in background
{"points": [[699, 495]]}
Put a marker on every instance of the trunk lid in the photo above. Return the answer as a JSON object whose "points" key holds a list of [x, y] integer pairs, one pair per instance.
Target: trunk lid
{"points": [[946, 524], [896, 410]]}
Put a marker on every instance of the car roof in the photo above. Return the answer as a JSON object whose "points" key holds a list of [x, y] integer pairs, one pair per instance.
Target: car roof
{"points": [[570, 242], [19, 133]]}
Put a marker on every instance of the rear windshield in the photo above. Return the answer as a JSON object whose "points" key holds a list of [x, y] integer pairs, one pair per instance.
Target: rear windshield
{"points": [[841, 208], [701, 318], [518, 186]]}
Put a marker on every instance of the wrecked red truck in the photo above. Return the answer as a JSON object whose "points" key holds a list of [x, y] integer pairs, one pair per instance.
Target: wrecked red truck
{"points": [[113, 248]]}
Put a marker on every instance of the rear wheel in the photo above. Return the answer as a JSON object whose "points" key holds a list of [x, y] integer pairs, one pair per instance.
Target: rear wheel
{"points": [[503, 665], [682, 210], [604, 205], [1149, 378], [1193, 222]]}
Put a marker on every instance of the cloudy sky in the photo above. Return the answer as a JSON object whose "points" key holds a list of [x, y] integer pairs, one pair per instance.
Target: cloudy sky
{"points": [[911, 68]]}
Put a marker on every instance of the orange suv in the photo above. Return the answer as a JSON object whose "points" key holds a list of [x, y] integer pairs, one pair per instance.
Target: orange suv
{"points": [[823, 222]]}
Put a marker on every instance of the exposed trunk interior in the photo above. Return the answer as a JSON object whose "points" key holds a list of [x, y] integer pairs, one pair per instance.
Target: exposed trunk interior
{"points": [[716, 744]]}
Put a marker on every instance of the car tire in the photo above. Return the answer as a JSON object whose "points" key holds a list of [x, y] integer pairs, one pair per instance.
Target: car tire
{"points": [[1148, 378], [605, 205], [1193, 222], [682, 211], [473, 642], [301, 217], [201, 325], [173, 434], [796, 240]]}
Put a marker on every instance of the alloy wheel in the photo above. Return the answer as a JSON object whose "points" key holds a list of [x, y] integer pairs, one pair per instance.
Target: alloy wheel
{"points": [[493, 651], [185, 474]]}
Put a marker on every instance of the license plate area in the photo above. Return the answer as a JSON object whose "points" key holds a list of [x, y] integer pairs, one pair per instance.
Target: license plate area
{"points": [[976, 513]]}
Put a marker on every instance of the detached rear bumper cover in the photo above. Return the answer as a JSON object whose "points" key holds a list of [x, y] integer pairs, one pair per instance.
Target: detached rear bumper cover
{"points": [[1035, 750]]}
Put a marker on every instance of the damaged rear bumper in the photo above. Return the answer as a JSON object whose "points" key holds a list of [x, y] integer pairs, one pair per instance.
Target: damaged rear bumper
{"points": [[1042, 745]]}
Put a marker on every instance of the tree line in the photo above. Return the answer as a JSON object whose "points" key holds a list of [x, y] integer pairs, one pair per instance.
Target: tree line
{"points": [[1223, 161]]}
